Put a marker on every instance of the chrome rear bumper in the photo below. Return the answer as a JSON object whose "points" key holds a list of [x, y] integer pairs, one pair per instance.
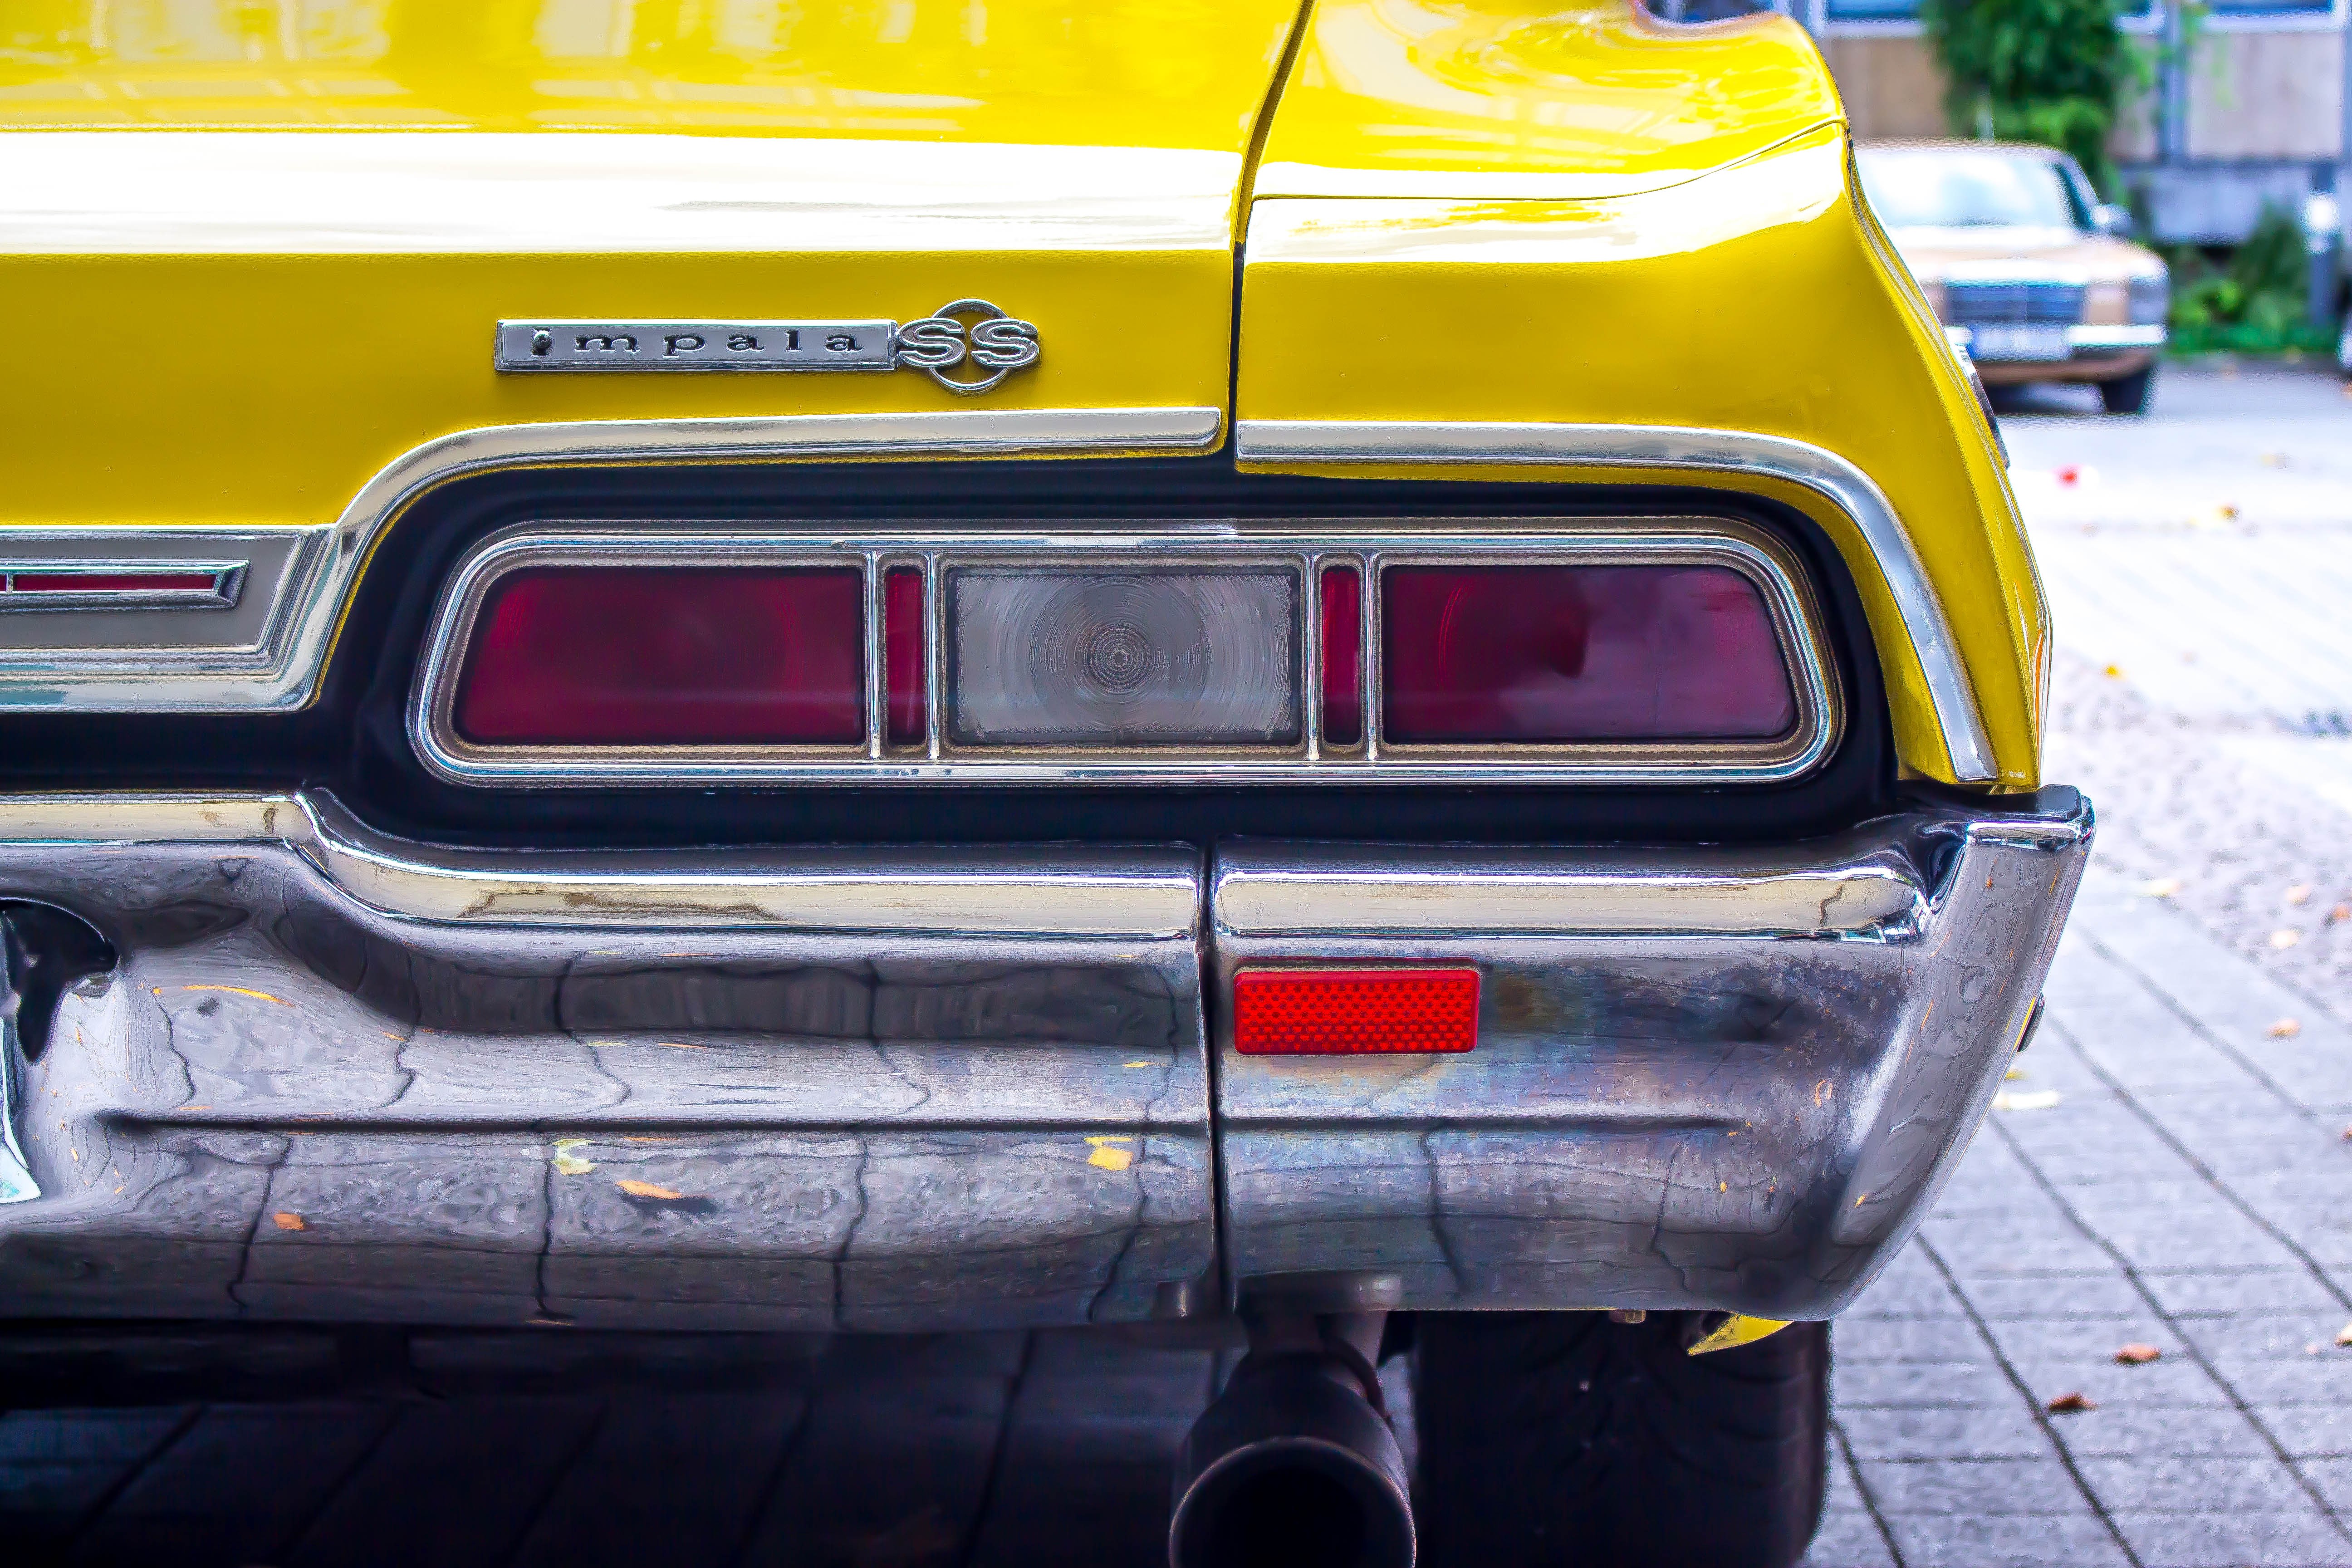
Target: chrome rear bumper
{"points": [[335, 1075]]}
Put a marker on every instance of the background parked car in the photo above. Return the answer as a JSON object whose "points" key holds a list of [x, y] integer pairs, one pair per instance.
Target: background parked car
{"points": [[2023, 265]]}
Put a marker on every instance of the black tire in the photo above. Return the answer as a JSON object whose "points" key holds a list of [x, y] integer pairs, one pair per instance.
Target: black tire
{"points": [[1556, 1438], [2128, 394]]}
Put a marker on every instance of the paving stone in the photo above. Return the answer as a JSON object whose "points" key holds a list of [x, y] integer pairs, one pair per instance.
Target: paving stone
{"points": [[1918, 1386], [1910, 1286], [2261, 1336], [2265, 1539], [1974, 1251], [2334, 1479], [1908, 1339], [2310, 1431], [1974, 1486], [236, 1488], [2136, 1432], [55, 1464], [1844, 1494], [2194, 1486], [603, 1514], [2321, 1379], [2083, 1298], [1849, 1541], [1984, 1432], [2178, 1384], [2087, 1343], [486, 1464], [2005, 1541], [2240, 1292]]}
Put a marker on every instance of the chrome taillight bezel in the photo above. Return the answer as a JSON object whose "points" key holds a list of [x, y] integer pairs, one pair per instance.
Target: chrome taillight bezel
{"points": [[1306, 546]]}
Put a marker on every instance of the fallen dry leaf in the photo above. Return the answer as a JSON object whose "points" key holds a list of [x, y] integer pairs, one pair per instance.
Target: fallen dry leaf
{"points": [[648, 1190], [2031, 1100], [2286, 937], [2285, 1029], [2340, 912], [2343, 1335], [2114, 672], [2299, 894], [2013, 1074], [2273, 459], [2137, 1354], [2161, 887], [2067, 1404], [284, 1221]]}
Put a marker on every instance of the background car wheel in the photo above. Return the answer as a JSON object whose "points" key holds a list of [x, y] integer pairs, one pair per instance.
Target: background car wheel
{"points": [[2128, 394], [1556, 1439]]}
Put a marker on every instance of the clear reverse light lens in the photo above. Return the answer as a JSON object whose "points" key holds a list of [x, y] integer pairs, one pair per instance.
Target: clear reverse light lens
{"points": [[1141, 659]]}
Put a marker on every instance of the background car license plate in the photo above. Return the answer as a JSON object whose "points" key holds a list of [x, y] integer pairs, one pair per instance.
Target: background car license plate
{"points": [[2019, 342]]}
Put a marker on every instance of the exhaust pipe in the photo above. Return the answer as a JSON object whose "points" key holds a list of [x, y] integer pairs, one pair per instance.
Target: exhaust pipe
{"points": [[1293, 1466]]}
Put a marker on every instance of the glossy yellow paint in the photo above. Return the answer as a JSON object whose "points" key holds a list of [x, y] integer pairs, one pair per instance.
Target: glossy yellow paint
{"points": [[1759, 298], [1738, 1329], [1113, 73], [283, 235], [1499, 98]]}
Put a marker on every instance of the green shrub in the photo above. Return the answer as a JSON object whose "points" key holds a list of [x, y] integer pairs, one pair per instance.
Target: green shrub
{"points": [[2252, 301], [2053, 71]]}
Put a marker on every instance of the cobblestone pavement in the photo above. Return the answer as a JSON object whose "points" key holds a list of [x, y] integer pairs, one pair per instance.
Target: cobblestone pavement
{"points": [[2171, 1170], [2190, 1188]]}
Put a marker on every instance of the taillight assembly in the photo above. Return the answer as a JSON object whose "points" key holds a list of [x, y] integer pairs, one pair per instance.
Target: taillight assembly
{"points": [[1203, 654], [1549, 654], [1354, 1011], [638, 655]]}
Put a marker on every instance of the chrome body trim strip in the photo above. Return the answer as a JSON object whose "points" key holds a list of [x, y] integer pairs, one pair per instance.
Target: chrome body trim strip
{"points": [[225, 581], [1139, 893], [1301, 546], [1814, 889], [284, 670], [1292, 442], [856, 1098]]}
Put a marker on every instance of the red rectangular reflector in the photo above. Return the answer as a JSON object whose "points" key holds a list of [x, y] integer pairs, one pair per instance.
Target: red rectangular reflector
{"points": [[1354, 1011], [630, 655], [1561, 654]]}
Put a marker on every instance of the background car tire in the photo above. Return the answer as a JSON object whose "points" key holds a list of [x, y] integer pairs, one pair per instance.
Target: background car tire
{"points": [[2128, 394], [1558, 1438]]}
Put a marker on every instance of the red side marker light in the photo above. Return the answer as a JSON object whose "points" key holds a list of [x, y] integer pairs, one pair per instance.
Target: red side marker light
{"points": [[1354, 1011]]}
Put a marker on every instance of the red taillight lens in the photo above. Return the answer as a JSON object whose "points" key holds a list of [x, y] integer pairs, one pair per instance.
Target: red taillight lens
{"points": [[1580, 653], [1354, 1011], [908, 703], [598, 656], [1343, 660]]}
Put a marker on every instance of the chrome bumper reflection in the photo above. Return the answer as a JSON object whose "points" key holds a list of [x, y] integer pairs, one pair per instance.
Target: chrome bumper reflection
{"points": [[1718, 1079], [340, 1076]]}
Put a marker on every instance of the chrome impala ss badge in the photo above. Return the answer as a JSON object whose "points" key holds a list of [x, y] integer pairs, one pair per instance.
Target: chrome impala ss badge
{"points": [[998, 345]]}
